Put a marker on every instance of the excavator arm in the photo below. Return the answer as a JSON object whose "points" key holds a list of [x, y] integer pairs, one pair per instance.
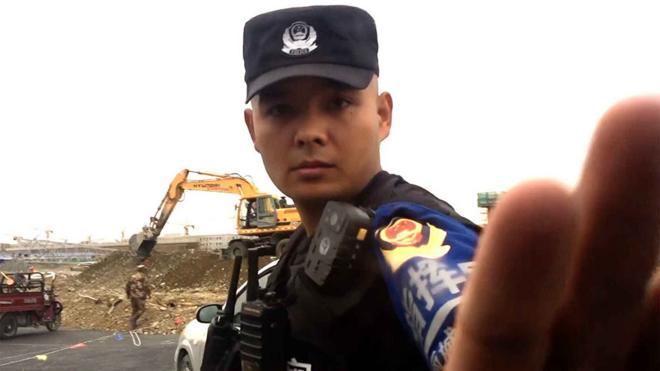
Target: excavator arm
{"points": [[227, 183], [143, 242]]}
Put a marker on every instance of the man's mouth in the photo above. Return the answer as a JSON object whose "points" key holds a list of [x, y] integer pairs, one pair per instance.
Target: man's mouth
{"points": [[312, 165], [312, 169]]}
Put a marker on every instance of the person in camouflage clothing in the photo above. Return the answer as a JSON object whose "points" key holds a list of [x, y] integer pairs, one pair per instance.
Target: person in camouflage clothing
{"points": [[138, 291]]}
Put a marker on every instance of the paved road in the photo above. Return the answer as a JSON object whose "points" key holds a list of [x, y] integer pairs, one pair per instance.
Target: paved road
{"points": [[84, 350]]}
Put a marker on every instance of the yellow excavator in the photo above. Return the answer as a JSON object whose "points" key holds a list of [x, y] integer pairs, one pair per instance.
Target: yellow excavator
{"points": [[268, 221]]}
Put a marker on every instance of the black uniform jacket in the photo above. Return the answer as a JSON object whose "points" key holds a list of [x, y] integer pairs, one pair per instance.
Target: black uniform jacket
{"points": [[357, 330]]}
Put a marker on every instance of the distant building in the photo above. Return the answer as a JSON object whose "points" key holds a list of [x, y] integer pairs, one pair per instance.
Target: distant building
{"points": [[209, 242], [51, 251], [216, 242], [486, 201]]}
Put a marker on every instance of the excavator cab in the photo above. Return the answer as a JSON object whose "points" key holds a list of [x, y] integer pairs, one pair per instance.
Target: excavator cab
{"points": [[258, 212]]}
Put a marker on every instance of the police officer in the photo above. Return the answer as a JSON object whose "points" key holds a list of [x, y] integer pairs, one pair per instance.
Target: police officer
{"points": [[313, 86], [317, 118], [138, 291]]}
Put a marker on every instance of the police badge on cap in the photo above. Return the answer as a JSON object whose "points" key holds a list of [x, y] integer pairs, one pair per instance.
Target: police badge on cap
{"points": [[334, 42], [299, 39]]}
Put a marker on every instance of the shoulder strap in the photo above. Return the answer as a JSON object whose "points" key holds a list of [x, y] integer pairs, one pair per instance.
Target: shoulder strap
{"points": [[281, 273]]}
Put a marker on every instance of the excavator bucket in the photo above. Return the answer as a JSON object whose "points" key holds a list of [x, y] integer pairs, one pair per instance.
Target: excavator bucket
{"points": [[141, 245]]}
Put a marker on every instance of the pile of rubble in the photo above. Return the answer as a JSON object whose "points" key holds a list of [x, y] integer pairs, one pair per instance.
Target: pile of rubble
{"points": [[180, 282]]}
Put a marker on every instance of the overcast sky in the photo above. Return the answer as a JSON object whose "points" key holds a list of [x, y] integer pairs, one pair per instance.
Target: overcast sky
{"points": [[103, 102]]}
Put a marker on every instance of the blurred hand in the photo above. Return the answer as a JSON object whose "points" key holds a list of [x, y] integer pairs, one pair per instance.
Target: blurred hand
{"points": [[563, 280]]}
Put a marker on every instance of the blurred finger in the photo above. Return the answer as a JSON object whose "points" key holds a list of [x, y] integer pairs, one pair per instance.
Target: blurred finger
{"points": [[646, 353], [618, 237], [517, 284]]}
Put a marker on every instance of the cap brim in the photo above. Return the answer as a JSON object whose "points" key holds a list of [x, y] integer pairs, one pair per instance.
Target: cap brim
{"points": [[358, 78]]}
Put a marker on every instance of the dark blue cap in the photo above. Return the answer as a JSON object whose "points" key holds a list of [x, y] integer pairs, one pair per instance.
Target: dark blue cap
{"points": [[334, 42]]}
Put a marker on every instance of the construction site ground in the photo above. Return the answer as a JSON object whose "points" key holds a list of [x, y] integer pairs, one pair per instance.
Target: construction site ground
{"points": [[95, 298]]}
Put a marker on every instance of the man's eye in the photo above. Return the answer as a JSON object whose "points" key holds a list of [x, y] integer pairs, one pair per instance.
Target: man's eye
{"points": [[278, 110], [340, 102]]}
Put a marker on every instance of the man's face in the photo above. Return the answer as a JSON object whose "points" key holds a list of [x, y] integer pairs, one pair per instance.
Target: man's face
{"points": [[319, 140]]}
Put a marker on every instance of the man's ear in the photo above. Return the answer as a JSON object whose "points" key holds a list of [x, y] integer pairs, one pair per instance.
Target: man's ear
{"points": [[248, 116], [385, 106]]}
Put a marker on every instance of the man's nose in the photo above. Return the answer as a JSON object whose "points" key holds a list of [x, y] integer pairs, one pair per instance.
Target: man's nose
{"points": [[312, 130]]}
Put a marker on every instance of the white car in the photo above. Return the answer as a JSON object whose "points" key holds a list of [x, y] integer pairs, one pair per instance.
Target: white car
{"points": [[190, 347]]}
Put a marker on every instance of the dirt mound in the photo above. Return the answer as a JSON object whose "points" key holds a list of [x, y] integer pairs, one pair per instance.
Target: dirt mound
{"points": [[188, 269], [180, 282]]}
